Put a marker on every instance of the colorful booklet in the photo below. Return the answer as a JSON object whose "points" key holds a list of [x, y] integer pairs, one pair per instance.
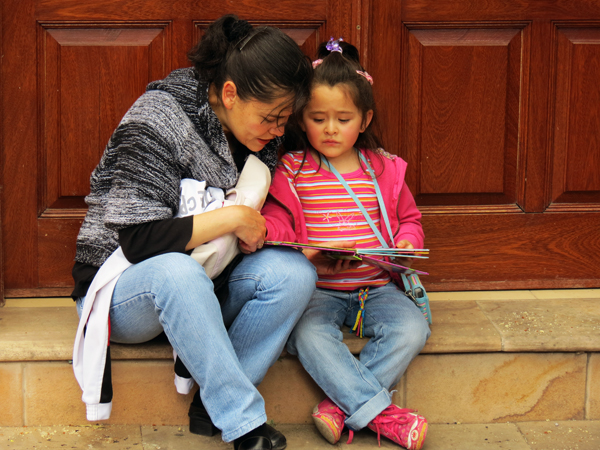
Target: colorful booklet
{"points": [[371, 256]]}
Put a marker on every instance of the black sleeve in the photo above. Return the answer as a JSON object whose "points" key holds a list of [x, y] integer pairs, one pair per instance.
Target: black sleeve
{"points": [[143, 241]]}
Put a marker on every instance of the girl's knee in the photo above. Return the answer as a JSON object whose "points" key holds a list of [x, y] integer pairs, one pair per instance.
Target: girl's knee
{"points": [[303, 340], [412, 335]]}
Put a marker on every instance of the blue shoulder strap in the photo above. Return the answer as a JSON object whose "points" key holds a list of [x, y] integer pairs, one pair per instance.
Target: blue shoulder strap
{"points": [[358, 202]]}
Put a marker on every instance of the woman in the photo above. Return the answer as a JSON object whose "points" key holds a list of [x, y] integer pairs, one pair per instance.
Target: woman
{"points": [[199, 123]]}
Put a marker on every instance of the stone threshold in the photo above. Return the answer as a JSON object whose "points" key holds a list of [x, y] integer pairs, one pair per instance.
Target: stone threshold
{"points": [[540, 322]]}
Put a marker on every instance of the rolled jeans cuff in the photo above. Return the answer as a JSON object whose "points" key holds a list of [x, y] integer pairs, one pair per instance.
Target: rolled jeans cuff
{"points": [[244, 429], [369, 410]]}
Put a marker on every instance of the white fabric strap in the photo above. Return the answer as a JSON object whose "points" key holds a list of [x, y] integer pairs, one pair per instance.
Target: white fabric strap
{"points": [[89, 351], [182, 385]]}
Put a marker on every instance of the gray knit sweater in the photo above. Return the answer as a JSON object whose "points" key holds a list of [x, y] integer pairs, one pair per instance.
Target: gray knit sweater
{"points": [[170, 133]]}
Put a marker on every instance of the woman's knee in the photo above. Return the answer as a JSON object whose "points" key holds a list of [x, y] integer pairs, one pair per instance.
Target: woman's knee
{"points": [[175, 270], [285, 268], [298, 271]]}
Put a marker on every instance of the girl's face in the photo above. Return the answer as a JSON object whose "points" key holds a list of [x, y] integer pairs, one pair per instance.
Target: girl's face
{"points": [[332, 122], [253, 123]]}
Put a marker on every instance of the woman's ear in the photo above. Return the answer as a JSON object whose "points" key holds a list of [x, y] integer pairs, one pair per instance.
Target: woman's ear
{"points": [[229, 94], [301, 123], [367, 120]]}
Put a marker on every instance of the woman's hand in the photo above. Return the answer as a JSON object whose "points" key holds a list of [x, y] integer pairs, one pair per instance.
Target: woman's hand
{"points": [[326, 265], [251, 230], [406, 262], [245, 222]]}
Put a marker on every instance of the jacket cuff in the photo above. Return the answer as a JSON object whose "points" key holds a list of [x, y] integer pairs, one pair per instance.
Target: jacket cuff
{"points": [[183, 385], [98, 411]]}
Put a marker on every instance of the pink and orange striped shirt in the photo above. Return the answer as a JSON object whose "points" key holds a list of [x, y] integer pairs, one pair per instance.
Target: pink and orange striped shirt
{"points": [[332, 215]]}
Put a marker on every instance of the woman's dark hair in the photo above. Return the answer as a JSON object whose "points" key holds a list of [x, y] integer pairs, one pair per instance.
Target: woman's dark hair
{"points": [[263, 62], [339, 68]]}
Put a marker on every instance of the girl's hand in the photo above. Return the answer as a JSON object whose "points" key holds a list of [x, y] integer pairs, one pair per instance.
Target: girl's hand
{"points": [[326, 265], [406, 262]]}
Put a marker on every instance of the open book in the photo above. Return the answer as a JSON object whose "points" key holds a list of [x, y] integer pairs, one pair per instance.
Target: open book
{"points": [[372, 256]]}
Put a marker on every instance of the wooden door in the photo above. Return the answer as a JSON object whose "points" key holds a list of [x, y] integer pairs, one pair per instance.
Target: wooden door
{"points": [[496, 107], [70, 70], [493, 104]]}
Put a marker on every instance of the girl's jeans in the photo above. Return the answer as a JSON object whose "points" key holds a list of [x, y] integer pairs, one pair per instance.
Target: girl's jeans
{"points": [[360, 387], [227, 348]]}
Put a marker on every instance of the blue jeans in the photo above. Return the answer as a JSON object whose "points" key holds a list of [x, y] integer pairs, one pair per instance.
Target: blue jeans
{"points": [[360, 387], [227, 348]]}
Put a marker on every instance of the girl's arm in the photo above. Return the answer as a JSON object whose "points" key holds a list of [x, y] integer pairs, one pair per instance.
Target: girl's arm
{"points": [[410, 233], [282, 210], [410, 228], [279, 221]]}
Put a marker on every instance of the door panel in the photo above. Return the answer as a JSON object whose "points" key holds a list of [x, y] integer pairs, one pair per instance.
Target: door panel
{"points": [[576, 159], [464, 87], [91, 76]]}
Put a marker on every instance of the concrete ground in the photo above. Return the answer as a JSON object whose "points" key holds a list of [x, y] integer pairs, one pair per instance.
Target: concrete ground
{"points": [[546, 435]]}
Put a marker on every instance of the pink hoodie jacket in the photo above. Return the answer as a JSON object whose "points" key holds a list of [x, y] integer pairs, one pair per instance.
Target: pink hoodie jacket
{"points": [[285, 220]]}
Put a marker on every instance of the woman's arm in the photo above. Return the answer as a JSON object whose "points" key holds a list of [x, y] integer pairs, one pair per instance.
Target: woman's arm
{"points": [[245, 222], [143, 241]]}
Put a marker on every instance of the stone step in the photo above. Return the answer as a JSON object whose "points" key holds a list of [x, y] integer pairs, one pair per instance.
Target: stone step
{"points": [[544, 435], [528, 356]]}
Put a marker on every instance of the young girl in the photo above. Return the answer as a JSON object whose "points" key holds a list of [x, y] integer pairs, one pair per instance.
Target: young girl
{"points": [[342, 189]]}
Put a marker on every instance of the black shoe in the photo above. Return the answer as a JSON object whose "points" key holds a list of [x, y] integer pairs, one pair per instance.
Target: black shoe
{"points": [[278, 441], [200, 422], [257, 439]]}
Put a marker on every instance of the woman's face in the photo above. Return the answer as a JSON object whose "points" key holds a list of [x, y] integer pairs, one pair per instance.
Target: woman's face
{"points": [[253, 123]]}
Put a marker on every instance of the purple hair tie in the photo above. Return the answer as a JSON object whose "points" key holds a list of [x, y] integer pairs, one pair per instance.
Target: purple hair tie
{"points": [[334, 45], [366, 75]]}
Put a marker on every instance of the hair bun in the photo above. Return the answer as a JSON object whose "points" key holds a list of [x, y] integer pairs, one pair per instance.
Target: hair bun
{"points": [[349, 51], [237, 29]]}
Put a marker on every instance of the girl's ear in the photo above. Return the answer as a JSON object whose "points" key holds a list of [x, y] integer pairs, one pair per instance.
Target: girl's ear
{"points": [[229, 94], [367, 120]]}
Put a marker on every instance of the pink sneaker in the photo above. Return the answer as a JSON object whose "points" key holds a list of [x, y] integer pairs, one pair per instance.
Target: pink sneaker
{"points": [[402, 426], [329, 420]]}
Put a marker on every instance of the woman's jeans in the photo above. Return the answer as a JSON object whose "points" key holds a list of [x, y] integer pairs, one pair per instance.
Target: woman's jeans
{"points": [[360, 387], [226, 348]]}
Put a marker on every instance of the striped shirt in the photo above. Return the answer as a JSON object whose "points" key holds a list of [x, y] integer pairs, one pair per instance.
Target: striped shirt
{"points": [[332, 215]]}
